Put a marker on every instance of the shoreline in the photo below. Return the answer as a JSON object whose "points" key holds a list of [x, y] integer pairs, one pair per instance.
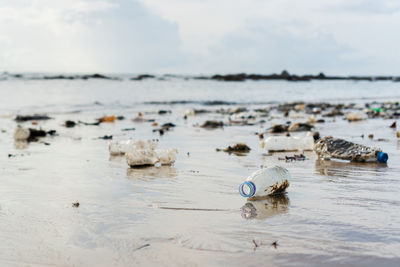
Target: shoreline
{"points": [[233, 77]]}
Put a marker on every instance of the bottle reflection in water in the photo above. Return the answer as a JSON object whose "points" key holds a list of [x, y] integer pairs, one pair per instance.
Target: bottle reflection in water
{"points": [[268, 207], [151, 173]]}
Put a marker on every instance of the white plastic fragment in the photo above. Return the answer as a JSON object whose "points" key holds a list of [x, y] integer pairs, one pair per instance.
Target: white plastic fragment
{"points": [[141, 157], [356, 116], [142, 152], [122, 147], [166, 156], [21, 134], [190, 112]]}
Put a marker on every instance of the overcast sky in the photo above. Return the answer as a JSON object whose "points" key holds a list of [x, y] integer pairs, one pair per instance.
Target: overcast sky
{"points": [[200, 36]]}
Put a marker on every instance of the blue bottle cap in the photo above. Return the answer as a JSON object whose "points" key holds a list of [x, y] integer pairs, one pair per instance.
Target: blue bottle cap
{"points": [[247, 189], [382, 157]]}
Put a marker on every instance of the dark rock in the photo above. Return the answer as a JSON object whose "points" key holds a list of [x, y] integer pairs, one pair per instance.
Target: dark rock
{"points": [[237, 148], [295, 157], [300, 127], [142, 76], [128, 129], [316, 136], [285, 74], [70, 124], [36, 117], [162, 112], [230, 77], [217, 103], [212, 124], [335, 112], [106, 137], [90, 123], [59, 77], [278, 128], [52, 132], [201, 78], [165, 127], [35, 134], [95, 76], [168, 125]]}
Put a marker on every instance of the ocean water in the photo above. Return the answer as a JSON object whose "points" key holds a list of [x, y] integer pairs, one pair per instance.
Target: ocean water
{"points": [[190, 214]]}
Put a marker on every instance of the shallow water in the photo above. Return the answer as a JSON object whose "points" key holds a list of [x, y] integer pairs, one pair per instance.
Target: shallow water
{"points": [[335, 213]]}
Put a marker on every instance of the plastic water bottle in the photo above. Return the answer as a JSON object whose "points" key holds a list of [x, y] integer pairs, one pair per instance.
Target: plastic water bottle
{"points": [[329, 147], [265, 182], [288, 143]]}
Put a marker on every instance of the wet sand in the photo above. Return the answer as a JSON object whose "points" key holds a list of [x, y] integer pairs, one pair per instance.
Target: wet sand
{"points": [[334, 213]]}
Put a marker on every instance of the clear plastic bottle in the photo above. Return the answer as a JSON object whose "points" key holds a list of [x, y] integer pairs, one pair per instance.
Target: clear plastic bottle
{"points": [[329, 147], [288, 143], [265, 182]]}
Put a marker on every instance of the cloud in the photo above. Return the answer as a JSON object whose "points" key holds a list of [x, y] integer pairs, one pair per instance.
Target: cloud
{"points": [[192, 36], [339, 36], [365, 7], [86, 36], [266, 47]]}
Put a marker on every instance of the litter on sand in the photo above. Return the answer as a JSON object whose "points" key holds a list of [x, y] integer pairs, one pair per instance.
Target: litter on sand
{"points": [[265, 182]]}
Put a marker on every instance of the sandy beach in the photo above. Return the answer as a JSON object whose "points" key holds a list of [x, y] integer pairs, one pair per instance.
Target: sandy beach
{"points": [[190, 213]]}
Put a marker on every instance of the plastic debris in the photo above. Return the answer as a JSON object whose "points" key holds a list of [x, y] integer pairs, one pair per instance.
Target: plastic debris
{"points": [[300, 127], [122, 147], [36, 117], [333, 113], [288, 143], [141, 118], [212, 124], [30, 134], [21, 133], [265, 182], [166, 156], [142, 152], [329, 147], [108, 119], [141, 157], [296, 115], [237, 148], [295, 157], [356, 117]]}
